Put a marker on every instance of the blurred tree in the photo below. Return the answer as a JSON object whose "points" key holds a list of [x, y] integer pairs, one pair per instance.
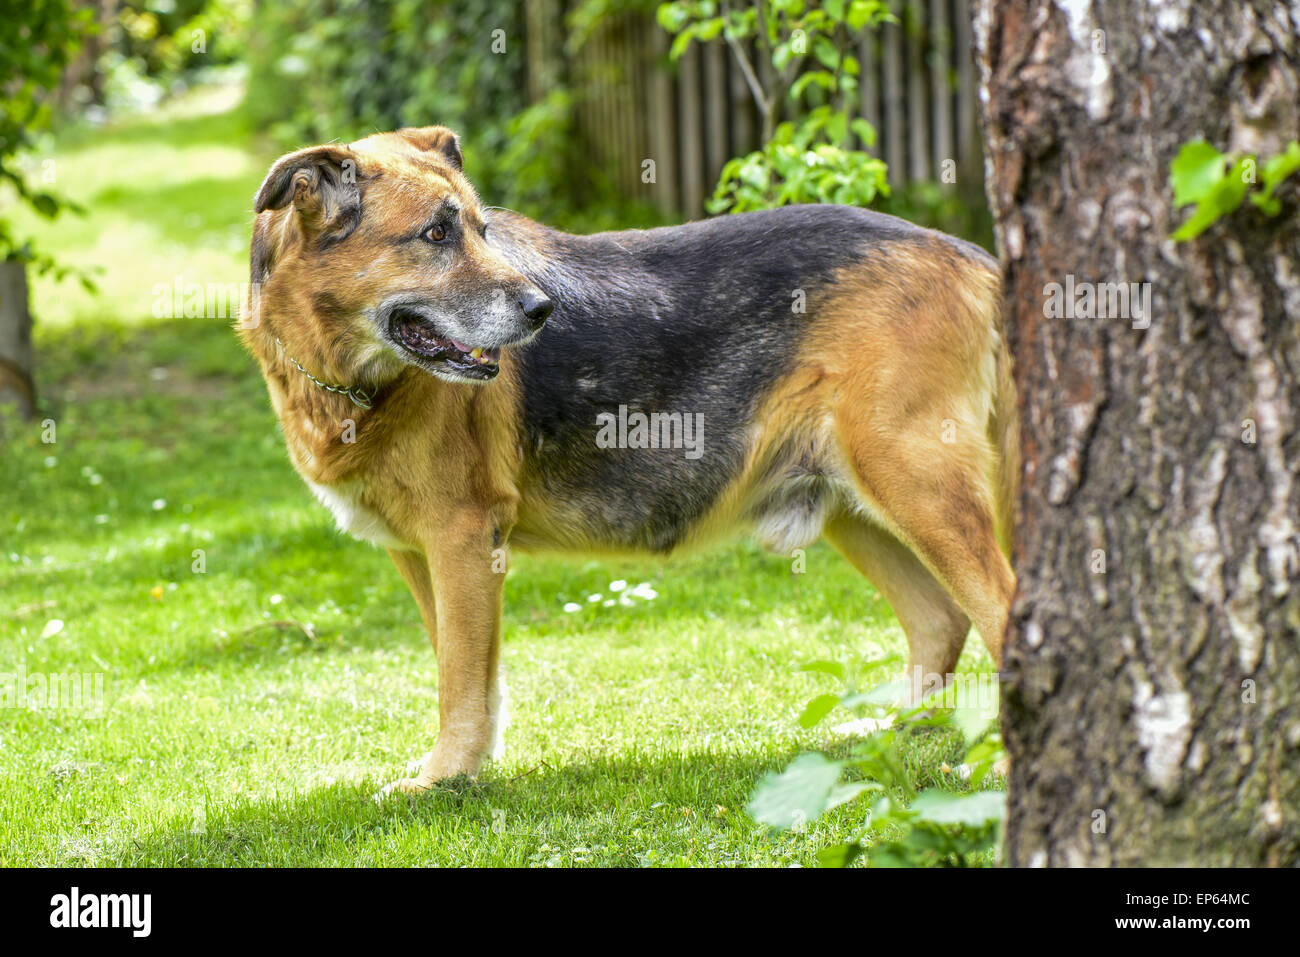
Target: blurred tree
{"points": [[1153, 661], [36, 41], [82, 80]]}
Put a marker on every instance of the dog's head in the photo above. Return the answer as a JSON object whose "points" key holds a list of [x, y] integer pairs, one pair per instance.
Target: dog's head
{"points": [[380, 244]]}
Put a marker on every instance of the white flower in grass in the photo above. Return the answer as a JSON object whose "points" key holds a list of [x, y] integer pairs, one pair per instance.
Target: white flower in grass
{"points": [[608, 603], [595, 598], [618, 585], [572, 606], [276, 599], [644, 591], [52, 628], [51, 461], [159, 504]]}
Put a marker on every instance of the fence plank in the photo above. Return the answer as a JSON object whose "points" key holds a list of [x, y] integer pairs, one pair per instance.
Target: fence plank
{"points": [[893, 136], [968, 137], [940, 32], [690, 142], [663, 129], [918, 102], [717, 100], [869, 83]]}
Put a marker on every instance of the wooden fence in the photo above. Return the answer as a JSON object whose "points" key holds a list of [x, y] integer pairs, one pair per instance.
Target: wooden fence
{"points": [[690, 117]]}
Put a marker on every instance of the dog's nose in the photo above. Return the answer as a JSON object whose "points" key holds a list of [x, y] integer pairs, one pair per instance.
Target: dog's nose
{"points": [[536, 306]]}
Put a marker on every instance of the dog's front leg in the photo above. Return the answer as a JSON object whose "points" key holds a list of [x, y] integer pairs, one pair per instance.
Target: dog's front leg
{"points": [[466, 590]]}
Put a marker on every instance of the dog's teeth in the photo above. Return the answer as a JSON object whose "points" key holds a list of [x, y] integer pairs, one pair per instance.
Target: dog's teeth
{"points": [[477, 353]]}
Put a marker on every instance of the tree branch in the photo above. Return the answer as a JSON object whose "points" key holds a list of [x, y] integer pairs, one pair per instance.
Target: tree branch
{"points": [[746, 67]]}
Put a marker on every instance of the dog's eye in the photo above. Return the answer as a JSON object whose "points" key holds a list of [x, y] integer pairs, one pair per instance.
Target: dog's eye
{"points": [[436, 234]]}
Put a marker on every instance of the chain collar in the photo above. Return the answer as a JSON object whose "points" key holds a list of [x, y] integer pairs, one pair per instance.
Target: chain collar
{"points": [[360, 396]]}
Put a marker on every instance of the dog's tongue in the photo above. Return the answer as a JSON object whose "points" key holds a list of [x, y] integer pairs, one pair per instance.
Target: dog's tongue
{"points": [[461, 346]]}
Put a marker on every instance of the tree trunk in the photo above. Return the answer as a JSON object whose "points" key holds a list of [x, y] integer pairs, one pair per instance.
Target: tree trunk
{"points": [[16, 388], [1153, 661]]}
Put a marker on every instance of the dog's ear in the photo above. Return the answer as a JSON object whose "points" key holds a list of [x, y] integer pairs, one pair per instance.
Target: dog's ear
{"points": [[320, 182], [435, 139]]}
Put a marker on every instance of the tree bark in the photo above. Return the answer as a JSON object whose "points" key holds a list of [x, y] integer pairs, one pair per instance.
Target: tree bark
{"points": [[1152, 668], [16, 387]]}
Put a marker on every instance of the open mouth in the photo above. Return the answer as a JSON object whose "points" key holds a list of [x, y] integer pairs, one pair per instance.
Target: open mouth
{"points": [[442, 353]]}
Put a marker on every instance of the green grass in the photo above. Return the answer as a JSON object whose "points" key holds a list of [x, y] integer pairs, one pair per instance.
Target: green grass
{"points": [[229, 734]]}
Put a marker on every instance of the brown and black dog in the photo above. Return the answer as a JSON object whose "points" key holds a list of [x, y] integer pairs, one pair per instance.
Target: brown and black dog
{"points": [[802, 372]]}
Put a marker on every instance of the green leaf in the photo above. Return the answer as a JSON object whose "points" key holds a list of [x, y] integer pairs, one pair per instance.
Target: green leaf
{"points": [[1194, 171], [798, 794], [839, 855], [682, 41], [818, 708], [672, 16], [887, 694], [866, 132], [865, 12], [833, 668], [971, 810], [825, 52], [973, 722], [1279, 167], [45, 204], [837, 127], [845, 792], [1274, 170], [709, 29], [820, 77], [1223, 197]]}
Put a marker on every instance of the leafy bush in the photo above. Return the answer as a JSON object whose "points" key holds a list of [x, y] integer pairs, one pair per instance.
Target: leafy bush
{"points": [[167, 37], [811, 158], [904, 827]]}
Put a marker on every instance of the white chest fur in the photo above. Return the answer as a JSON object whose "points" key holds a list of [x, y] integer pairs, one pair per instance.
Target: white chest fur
{"points": [[354, 517]]}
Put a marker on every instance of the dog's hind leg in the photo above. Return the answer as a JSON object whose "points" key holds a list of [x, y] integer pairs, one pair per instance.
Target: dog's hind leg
{"points": [[935, 626], [935, 499]]}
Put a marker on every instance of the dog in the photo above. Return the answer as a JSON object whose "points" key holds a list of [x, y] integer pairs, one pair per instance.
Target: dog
{"points": [[455, 381]]}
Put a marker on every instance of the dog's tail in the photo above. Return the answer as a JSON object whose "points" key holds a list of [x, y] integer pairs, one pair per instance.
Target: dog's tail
{"points": [[1004, 429]]}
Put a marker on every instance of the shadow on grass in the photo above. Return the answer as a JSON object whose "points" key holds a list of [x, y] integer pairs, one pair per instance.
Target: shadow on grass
{"points": [[497, 820], [615, 810]]}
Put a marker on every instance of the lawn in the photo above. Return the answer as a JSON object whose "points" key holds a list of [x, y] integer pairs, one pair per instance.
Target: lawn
{"points": [[265, 675]]}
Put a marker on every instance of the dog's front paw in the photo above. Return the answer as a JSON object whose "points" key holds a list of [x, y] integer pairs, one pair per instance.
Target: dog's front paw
{"points": [[409, 786]]}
